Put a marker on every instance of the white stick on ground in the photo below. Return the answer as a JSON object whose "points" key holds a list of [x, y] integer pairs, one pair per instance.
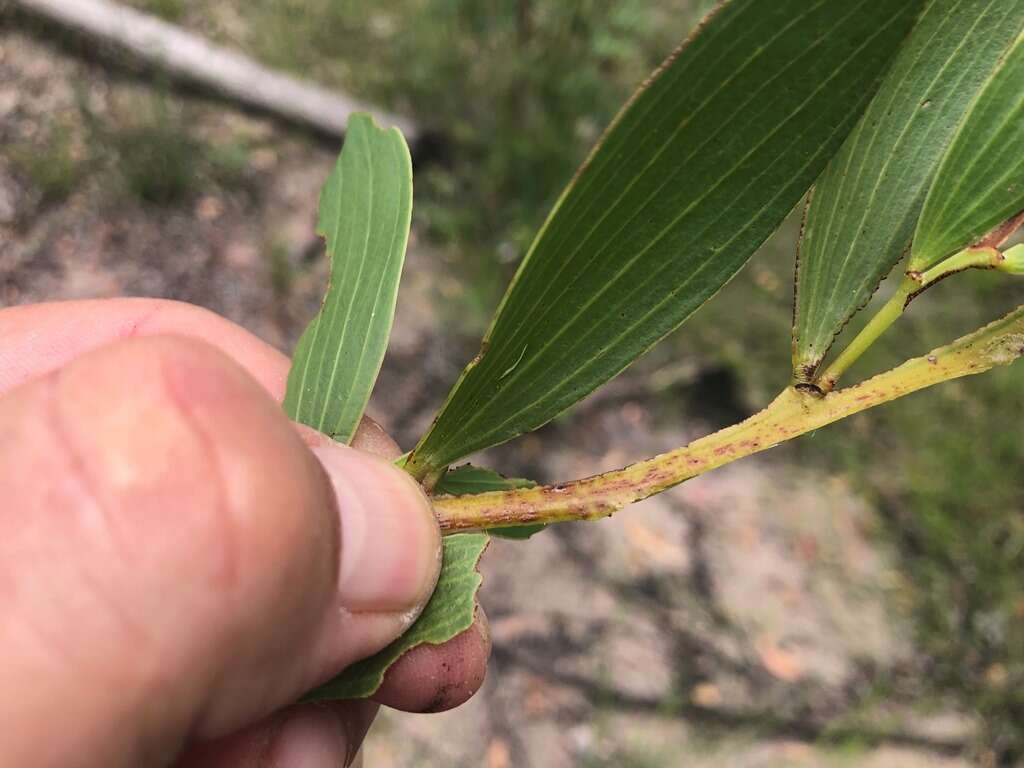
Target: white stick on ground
{"points": [[190, 56]]}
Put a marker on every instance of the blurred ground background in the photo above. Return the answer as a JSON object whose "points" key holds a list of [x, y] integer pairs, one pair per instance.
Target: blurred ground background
{"points": [[854, 598]]}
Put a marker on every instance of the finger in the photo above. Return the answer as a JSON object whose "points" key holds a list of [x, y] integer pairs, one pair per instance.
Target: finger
{"points": [[370, 437], [169, 556], [39, 338], [319, 735], [429, 678], [42, 337], [426, 679], [436, 678]]}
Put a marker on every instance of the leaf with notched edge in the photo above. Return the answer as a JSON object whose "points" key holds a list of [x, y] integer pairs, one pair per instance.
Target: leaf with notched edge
{"points": [[365, 212], [694, 174]]}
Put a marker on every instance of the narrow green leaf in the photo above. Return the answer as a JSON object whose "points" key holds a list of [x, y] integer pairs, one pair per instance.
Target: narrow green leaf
{"points": [[469, 479], [365, 210], [449, 612], [980, 183], [864, 208], [696, 172]]}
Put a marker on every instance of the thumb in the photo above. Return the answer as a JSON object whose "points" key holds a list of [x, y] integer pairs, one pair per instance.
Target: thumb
{"points": [[175, 563]]}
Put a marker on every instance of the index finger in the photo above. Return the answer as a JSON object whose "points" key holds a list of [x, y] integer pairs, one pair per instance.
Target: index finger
{"points": [[39, 338]]}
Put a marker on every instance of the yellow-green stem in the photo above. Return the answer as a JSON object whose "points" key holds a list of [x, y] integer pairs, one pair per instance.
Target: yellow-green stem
{"points": [[914, 283], [969, 258], [1013, 260], [879, 324], [791, 414]]}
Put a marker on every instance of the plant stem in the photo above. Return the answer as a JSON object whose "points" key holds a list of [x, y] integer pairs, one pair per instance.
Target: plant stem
{"points": [[879, 324], [913, 284], [969, 258], [1013, 260], [791, 414]]}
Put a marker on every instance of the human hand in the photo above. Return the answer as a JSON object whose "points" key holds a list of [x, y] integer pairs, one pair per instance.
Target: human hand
{"points": [[177, 566]]}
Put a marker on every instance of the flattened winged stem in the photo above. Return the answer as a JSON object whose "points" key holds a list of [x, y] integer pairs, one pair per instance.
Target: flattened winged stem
{"points": [[792, 413]]}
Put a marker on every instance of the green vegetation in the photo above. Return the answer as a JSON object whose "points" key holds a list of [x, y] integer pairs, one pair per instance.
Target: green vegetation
{"points": [[664, 212], [893, 154], [148, 145], [51, 168], [282, 271], [156, 161]]}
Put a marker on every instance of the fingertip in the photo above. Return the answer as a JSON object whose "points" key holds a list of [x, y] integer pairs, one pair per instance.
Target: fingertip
{"points": [[436, 678]]}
